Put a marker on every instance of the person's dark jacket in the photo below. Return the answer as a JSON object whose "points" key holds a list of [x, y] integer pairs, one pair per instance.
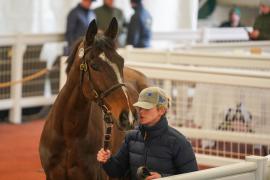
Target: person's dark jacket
{"points": [[160, 148], [139, 29], [77, 23], [262, 23]]}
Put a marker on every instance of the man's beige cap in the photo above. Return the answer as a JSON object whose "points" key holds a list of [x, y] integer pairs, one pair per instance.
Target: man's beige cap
{"points": [[152, 97]]}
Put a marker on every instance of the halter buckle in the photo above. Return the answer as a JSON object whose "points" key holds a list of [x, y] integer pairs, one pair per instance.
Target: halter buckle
{"points": [[83, 67], [105, 109]]}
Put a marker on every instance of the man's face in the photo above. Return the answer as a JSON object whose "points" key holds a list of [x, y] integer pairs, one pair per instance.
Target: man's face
{"points": [[234, 17], [264, 9], [87, 3], [133, 4], [150, 117], [109, 2]]}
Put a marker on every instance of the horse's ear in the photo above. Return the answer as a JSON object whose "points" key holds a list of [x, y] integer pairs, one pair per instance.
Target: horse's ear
{"points": [[91, 32], [112, 30]]}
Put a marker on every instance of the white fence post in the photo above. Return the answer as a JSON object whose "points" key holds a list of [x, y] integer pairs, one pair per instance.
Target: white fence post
{"points": [[268, 167], [261, 166], [63, 75], [17, 74]]}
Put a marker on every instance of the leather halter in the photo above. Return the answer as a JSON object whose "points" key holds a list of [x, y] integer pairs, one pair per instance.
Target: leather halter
{"points": [[99, 97]]}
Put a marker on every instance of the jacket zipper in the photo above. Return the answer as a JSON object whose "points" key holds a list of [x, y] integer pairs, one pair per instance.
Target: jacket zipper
{"points": [[145, 148]]}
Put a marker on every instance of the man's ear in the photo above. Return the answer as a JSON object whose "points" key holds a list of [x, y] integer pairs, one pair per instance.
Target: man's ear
{"points": [[161, 110]]}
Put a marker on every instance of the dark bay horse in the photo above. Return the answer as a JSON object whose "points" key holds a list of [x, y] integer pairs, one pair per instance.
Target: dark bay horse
{"points": [[74, 130], [135, 82]]}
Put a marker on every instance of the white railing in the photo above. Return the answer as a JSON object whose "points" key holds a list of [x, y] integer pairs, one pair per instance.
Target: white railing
{"points": [[222, 136], [204, 35], [19, 44], [193, 58], [243, 71], [254, 168], [268, 167], [246, 47]]}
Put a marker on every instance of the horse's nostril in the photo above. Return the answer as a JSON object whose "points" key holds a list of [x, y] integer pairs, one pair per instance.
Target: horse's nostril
{"points": [[124, 116], [124, 119]]}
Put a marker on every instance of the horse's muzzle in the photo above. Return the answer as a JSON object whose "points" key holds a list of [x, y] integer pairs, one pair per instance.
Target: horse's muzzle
{"points": [[127, 120]]}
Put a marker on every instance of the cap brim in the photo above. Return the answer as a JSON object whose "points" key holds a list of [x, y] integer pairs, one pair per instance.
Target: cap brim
{"points": [[145, 105]]}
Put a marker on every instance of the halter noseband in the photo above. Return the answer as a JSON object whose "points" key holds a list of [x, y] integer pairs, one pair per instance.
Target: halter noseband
{"points": [[99, 97]]}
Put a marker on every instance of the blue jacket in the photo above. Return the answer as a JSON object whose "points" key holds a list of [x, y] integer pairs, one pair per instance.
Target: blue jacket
{"points": [[163, 150], [77, 23], [139, 29]]}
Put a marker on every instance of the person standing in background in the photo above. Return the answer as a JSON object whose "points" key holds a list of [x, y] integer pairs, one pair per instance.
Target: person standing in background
{"points": [[234, 19], [261, 27], [139, 29], [77, 22], [104, 15]]}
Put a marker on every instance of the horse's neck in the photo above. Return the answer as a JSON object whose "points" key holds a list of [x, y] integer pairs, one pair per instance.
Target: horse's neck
{"points": [[71, 109]]}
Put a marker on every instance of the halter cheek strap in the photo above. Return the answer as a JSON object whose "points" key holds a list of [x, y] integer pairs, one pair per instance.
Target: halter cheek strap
{"points": [[99, 97]]}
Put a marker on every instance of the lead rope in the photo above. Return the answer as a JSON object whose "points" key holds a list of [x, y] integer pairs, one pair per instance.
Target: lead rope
{"points": [[108, 125]]}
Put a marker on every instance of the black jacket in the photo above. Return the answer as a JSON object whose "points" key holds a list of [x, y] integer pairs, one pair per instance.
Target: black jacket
{"points": [[139, 29], [160, 148], [77, 23]]}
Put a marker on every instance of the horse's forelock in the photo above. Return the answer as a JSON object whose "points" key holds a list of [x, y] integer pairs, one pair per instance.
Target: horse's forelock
{"points": [[101, 43], [104, 43]]}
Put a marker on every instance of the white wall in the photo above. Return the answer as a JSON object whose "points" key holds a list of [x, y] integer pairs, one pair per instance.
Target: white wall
{"points": [[45, 16]]}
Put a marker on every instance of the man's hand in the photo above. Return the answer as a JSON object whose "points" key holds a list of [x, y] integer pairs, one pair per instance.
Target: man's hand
{"points": [[254, 34], [103, 156], [154, 175]]}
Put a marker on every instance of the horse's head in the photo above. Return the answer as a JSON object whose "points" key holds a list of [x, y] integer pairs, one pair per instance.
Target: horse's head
{"points": [[102, 72]]}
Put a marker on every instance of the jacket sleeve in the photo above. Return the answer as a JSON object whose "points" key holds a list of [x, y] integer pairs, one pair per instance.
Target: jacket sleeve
{"points": [[257, 25], [264, 36], [118, 165], [71, 27], [133, 31], [184, 157]]}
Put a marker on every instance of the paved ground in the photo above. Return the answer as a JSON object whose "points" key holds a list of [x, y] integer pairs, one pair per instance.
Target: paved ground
{"points": [[19, 158]]}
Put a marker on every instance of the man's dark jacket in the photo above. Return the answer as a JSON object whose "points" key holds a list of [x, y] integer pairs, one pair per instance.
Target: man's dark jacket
{"points": [[139, 29], [160, 148], [77, 23], [262, 23]]}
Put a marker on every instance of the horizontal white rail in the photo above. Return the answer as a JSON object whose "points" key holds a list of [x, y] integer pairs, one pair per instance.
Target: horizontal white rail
{"points": [[254, 168], [246, 168], [30, 39], [231, 47], [197, 58], [205, 75], [215, 161], [203, 35], [27, 102], [225, 136]]}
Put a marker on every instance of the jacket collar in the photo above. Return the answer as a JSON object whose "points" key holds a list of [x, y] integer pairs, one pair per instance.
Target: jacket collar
{"points": [[157, 130]]}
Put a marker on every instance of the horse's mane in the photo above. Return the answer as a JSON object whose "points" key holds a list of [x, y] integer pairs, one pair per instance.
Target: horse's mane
{"points": [[101, 43], [71, 57]]}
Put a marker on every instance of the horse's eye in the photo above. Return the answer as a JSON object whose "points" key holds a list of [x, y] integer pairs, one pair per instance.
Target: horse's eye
{"points": [[95, 67]]}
